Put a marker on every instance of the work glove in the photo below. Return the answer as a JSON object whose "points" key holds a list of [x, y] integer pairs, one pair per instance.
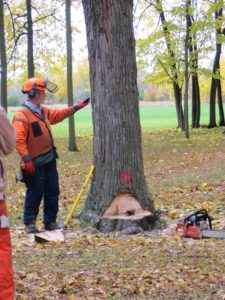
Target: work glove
{"points": [[81, 104], [29, 167]]}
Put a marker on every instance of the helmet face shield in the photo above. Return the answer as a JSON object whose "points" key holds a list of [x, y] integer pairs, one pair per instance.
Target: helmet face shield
{"points": [[39, 85], [50, 86]]}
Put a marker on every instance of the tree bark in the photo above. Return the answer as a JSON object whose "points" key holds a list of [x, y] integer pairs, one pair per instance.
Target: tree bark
{"points": [[30, 42], [72, 140], [3, 72], [117, 146]]}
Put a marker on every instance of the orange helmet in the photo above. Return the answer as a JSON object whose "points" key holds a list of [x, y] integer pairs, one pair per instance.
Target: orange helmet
{"points": [[33, 83], [37, 84]]}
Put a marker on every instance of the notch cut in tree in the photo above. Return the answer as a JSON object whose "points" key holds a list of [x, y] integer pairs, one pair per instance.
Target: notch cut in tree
{"points": [[118, 196]]}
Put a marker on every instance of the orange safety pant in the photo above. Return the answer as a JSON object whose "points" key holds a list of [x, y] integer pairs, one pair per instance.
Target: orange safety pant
{"points": [[6, 271]]}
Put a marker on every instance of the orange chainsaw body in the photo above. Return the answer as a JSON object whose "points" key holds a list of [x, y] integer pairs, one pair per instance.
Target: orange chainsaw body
{"points": [[191, 231], [198, 225]]}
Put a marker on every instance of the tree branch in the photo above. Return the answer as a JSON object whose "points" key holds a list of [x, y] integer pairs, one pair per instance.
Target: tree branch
{"points": [[11, 15], [162, 65], [143, 12], [16, 16], [15, 44], [44, 17]]}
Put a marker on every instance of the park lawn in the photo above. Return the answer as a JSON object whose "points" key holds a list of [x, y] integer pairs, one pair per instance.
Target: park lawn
{"points": [[153, 117], [183, 176]]}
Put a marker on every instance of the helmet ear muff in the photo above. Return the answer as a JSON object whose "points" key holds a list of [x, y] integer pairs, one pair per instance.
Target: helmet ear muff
{"points": [[32, 93]]}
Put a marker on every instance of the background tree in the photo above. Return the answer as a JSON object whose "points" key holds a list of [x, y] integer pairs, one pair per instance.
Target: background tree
{"points": [[201, 22], [30, 42], [173, 66], [166, 57], [216, 79], [118, 183], [193, 50], [29, 29], [72, 140], [187, 41]]}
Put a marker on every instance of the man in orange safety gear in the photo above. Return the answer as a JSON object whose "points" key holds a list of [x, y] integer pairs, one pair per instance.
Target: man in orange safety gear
{"points": [[35, 144], [7, 144]]}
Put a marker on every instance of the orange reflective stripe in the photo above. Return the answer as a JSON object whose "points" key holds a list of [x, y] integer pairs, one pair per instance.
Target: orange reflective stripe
{"points": [[20, 120]]}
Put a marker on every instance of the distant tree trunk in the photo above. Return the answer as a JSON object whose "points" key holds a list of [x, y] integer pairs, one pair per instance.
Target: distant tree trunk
{"points": [[3, 62], [197, 88], [196, 102], [212, 103], [176, 88], [220, 103], [118, 188], [30, 51], [178, 103], [72, 140], [186, 121], [216, 72]]}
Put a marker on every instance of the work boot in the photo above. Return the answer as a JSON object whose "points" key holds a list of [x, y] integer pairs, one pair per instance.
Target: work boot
{"points": [[31, 228], [52, 226]]}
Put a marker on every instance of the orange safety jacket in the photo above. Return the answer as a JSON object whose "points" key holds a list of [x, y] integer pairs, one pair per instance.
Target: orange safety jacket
{"points": [[33, 133]]}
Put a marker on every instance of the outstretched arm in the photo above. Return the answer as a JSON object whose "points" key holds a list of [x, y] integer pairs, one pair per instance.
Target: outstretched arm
{"points": [[57, 115]]}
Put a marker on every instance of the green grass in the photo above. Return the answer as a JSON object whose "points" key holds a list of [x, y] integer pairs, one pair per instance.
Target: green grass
{"points": [[153, 117]]}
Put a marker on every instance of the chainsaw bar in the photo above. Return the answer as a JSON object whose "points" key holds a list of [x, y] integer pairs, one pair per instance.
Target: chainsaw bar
{"points": [[218, 234]]}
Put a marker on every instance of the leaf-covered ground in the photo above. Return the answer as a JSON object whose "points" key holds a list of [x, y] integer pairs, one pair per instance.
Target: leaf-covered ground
{"points": [[183, 176]]}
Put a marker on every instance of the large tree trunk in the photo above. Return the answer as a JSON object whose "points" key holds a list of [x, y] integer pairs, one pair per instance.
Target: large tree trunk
{"points": [[30, 51], [3, 62], [72, 140], [118, 194], [174, 72]]}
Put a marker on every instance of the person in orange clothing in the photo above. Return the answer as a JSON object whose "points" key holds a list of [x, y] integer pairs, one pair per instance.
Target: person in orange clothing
{"points": [[35, 145], [7, 144]]}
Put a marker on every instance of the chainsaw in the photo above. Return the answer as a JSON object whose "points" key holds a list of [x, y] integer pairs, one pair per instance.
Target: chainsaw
{"points": [[198, 225]]}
